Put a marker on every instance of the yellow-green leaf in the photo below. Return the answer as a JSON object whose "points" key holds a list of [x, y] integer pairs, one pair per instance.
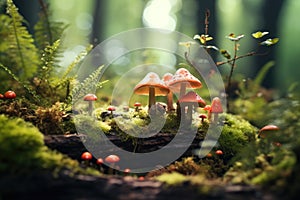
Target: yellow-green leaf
{"points": [[270, 41], [259, 34]]}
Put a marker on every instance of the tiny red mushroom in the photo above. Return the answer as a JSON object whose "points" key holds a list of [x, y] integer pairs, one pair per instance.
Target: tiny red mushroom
{"points": [[112, 160], [219, 152], [202, 117], [208, 109], [90, 98], [267, 128], [1, 96], [10, 94], [86, 157], [99, 161], [137, 105], [126, 171], [216, 108], [111, 109]]}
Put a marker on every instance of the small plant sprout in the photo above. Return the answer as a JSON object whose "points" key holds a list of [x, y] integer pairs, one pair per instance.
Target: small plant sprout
{"points": [[137, 106], [10, 94], [216, 108], [111, 109], [167, 78], [112, 160], [190, 100], [267, 130], [86, 157], [90, 98], [183, 79], [152, 86]]}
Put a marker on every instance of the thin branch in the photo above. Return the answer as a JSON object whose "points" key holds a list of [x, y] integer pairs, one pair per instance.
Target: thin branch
{"points": [[237, 58]]}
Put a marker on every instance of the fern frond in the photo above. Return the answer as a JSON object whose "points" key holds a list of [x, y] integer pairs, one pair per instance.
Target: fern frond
{"points": [[22, 52], [80, 89], [78, 58], [46, 30]]}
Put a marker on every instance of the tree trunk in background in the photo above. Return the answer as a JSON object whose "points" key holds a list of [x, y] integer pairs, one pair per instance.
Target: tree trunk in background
{"points": [[269, 16], [99, 14], [30, 11]]}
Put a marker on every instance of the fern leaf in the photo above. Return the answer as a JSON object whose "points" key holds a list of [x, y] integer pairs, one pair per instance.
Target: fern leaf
{"points": [[88, 84], [22, 53]]}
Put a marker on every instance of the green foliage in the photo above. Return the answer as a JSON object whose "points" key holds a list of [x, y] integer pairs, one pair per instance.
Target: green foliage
{"points": [[236, 134], [17, 45], [23, 150]]}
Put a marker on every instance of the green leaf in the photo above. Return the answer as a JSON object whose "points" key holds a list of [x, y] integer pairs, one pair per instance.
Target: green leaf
{"points": [[259, 34], [262, 72], [270, 41]]}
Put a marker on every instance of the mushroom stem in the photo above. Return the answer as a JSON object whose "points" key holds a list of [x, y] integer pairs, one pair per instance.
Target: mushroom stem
{"points": [[90, 108], [189, 115], [151, 97], [216, 116], [170, 101], [182, 89]]}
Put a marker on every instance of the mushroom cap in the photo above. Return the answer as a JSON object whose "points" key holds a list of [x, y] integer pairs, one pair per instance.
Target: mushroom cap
{"points": [[86, 156], [99, 161], [207, 108], [112, 159], [216, 105], [111, 108], [151, 80], [192, 97], [1, 96], [137, 104], [270, 127], [203, 116], [182, 75], [219, 152], [90, 97], [10, 95]]}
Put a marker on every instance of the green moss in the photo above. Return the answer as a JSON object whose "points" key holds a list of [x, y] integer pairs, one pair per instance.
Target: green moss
{"points": [[173, 178], [22, 150], [236, 134]]}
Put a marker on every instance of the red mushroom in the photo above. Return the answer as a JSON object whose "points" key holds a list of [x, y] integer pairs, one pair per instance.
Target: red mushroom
{"points": [[152, 86], [208, 109], [183, 79], [10, 95], [86, 156], [111, 109], [90, 98], [219, 152], [137, 105], [216, 108], [191, 99], [267, 128], [112, 160], [1, 96], [202, 117], [126, 171]]}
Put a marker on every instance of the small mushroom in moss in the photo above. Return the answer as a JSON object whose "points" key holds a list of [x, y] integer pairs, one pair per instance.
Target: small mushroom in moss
{"points": [[216, 108], [152, 86], [10, 94], [90, 98], [111, 109], [112, 160], [86, 157], [267, 129], [183, 79], [208, 109], [137, 106], [1, 96], [219, 152], [202, 117]]}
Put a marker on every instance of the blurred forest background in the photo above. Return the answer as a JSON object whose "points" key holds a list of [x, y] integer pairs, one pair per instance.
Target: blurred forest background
{"points": [[92, 21]]}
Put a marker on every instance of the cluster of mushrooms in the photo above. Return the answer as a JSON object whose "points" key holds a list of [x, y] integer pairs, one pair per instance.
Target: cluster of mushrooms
{"points": [[178, 83]]}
